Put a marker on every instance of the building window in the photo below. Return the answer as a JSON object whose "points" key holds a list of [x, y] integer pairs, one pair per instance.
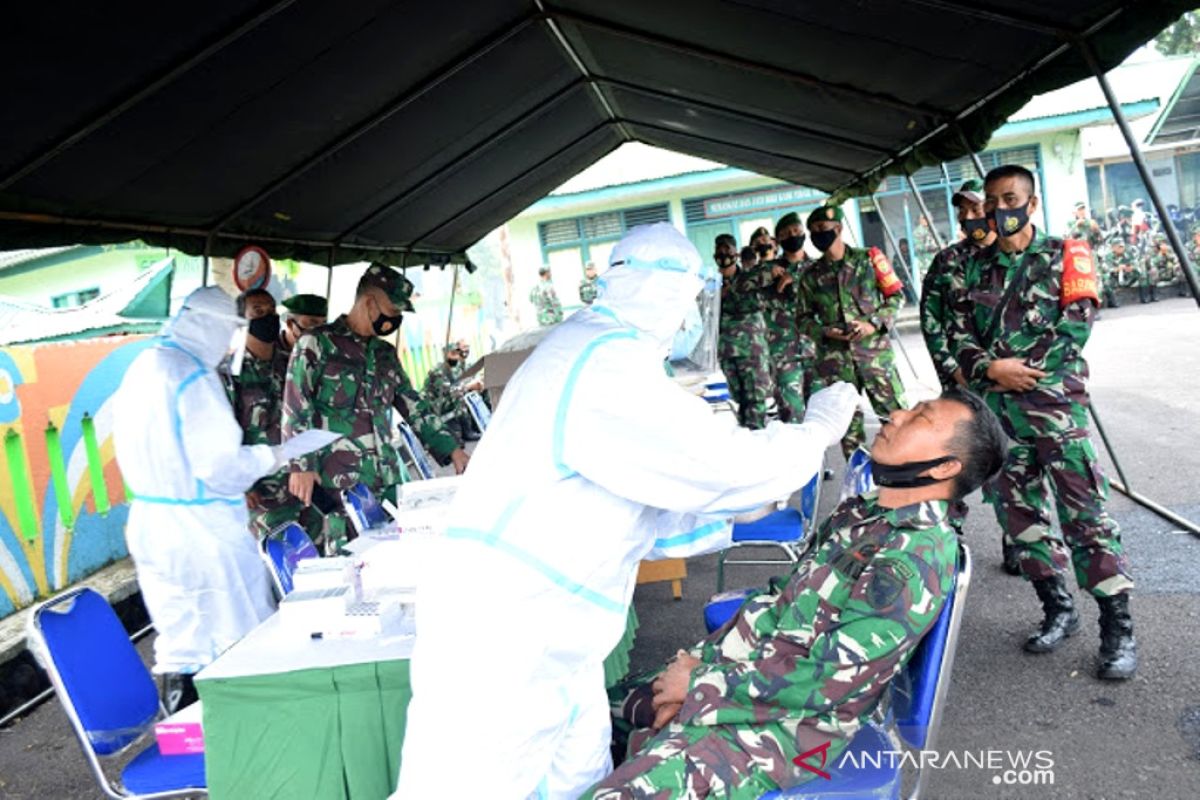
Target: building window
{"points": [[73, 299]]}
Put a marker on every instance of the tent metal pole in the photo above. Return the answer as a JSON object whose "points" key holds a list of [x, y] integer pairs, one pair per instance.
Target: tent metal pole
{"points": [[329, 279], [1136, 153], [204, 269], [912, 186], [887, 229], [971, 151], [1122, 485], [450, 313]]}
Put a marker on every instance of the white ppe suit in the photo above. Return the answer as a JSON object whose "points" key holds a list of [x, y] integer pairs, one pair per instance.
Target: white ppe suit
{"points": [[181, 454], [594, 460]]}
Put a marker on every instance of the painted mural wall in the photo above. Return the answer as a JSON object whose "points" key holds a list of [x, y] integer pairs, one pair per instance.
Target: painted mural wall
{"points": [[63, 504]]}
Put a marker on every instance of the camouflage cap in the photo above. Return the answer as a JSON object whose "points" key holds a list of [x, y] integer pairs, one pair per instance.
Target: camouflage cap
{"points": [[1080, 204], [971, 191], [824, 214], [790, 218], [311, 305], [398, 288], [450, 348]]}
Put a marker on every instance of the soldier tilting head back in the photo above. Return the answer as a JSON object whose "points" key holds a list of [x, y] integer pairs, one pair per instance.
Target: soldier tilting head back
{"points": [[734, 710]]}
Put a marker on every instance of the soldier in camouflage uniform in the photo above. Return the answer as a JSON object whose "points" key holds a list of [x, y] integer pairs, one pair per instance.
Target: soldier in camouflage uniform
{"points": [[444, 395], [1023, 311], [742, 348], [1114, 266], [545, 299], [793, 354], [344, 378], [845, 302], [1165, 266], [803, 664], [927, 246], [588, 288], [1084, 228]]}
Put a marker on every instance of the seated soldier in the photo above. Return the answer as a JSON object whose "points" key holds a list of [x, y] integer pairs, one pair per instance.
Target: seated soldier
{"points": [[806, 662]]}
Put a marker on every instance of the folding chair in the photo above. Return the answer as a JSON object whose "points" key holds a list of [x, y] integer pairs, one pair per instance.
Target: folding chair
{"points": [[364, 509], [282, 549], [788, 529], [479, 411], [411, 446], [109, 697]]}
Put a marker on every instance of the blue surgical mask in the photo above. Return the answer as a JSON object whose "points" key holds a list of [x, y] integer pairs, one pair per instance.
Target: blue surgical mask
{"points": [[688, 336]]}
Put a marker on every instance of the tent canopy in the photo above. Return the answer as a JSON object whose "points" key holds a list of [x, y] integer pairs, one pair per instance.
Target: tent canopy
{"points": [[405, 131]]}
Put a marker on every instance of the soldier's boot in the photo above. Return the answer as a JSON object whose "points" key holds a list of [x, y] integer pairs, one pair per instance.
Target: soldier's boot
{"points": [[177, 691], [1061, 618], [1153, 293], [1118, 648], [1142, 295], [1012, 558], [1110, 299]]}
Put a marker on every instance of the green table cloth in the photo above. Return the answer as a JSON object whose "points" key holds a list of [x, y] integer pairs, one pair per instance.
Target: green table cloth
{"points": [[327, 733]]}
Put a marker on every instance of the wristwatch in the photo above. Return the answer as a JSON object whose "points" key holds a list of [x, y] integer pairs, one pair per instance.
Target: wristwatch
{"points": [[876, 322]]}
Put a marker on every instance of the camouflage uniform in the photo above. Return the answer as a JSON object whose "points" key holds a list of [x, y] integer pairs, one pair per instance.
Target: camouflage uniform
{"points": [[443, 398], [545, 301], [1111, 276], [257, 397], [1048, 424], [1166, 270], [927, 247], [833, 294], [588, 291], [742, 347], [801, 664], [348, 384], [1085, 230], [792, 352], [935, 308]]}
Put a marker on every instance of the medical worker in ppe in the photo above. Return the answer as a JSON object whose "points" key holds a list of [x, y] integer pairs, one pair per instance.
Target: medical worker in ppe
{"points": [[594, 460], [180, 452]]}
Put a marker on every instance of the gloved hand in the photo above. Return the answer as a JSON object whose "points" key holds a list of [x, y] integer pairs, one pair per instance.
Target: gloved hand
{"points": [[832, 408]]}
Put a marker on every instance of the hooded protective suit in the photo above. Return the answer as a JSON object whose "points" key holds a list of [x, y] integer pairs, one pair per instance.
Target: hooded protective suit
{"points": [[180, 452], [594, 461]]}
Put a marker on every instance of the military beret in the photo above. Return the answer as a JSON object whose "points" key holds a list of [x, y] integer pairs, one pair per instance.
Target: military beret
{"points": [[312, 305], [725, 238], [971, 190], [760, 231], [398, 288], [790, 218], [824, 214]]}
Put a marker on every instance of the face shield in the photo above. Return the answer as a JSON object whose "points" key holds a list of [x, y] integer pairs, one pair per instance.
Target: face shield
{"points": [[694, 347]]}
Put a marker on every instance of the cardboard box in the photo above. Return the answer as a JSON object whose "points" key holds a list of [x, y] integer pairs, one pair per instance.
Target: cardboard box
{"points": [[182, 733]]}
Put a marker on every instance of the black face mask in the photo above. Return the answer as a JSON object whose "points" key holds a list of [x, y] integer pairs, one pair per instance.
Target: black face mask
{"points": [[726, 261], [383, 324], [907, 476], [976, 229], [265, 329], [1011, 220], [762, 250], [792, 244], [823, 240]]}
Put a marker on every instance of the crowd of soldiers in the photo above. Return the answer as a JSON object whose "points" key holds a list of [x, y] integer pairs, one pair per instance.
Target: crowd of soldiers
{"points": [[1133, 252], [306, 373], [791, 325]]}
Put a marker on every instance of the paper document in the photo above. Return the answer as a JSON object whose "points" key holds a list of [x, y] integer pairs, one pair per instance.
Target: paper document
{"points": [[306, 442]]}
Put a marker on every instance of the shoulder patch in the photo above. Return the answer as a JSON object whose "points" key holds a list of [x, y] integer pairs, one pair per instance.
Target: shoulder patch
{"points": [[888, 580]]}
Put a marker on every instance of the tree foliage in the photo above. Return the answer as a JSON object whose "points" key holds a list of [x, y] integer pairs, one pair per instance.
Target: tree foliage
{"points": [[1181, 37]]}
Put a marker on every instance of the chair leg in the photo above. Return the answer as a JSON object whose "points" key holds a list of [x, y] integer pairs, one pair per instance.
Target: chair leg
{"points": [[721, 571], [677, 589]]}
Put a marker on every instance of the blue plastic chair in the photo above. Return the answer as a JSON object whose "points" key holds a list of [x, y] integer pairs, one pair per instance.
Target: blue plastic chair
{"points": [[282, 549], [918, 696], [479, 411], [364, 509], [109, 696], [788, 529]]}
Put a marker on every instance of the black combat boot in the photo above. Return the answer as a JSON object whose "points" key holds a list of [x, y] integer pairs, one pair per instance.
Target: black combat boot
{"points": [[178, 691], [1061, 620], [1110, 299], [1012, 558], [1142, 298], [1118, 648], [1153, 293]]}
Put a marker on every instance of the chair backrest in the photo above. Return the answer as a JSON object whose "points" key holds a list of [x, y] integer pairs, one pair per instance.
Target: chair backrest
{"points": [[100, 679], [478, 410], [282, 549], [810, 501], [920, 691], [363, 508], [416, 453], [857, 479]]}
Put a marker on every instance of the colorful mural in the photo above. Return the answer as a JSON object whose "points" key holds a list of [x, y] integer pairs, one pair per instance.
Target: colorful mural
{"points": [[63, 504]]}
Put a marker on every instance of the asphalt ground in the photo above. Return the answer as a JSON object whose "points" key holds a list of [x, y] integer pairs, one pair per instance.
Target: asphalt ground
{"points": [[1139, 739]]}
